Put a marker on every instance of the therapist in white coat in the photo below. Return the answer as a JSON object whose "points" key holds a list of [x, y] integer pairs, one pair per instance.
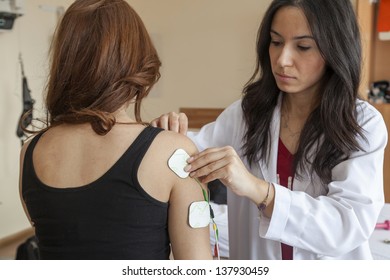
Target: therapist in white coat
{"points": [[301, 154]]}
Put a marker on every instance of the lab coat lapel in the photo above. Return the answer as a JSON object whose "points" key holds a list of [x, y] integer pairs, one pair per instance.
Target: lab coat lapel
{"points": [[301, 184]]}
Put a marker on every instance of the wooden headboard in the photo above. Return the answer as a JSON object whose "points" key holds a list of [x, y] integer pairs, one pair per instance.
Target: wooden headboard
{"points": [[197, 117]]}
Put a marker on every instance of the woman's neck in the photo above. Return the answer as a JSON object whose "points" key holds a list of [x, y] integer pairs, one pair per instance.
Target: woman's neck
{"points": [[121, 116], [298, 106]]}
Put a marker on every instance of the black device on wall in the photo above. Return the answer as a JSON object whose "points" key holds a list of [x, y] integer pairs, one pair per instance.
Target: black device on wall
{"points": [[9, 11], [28, 105], [7, 20]]}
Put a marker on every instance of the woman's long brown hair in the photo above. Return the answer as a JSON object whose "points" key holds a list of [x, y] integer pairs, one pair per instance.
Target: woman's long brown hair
{"points": [[102, 58]]}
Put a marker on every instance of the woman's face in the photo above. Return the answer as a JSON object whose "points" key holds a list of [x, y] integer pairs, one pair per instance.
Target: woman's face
{"points": [[296, 62]]}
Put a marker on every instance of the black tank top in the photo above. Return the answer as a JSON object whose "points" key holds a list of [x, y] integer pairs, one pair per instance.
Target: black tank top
{"points": [[110, 218]]}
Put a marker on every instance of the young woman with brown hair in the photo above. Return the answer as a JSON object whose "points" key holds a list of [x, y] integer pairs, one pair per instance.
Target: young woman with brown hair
{"points": [[95, 182]]}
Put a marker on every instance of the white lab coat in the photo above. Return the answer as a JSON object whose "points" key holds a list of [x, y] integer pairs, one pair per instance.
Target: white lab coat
{"points": [[331, 221]]}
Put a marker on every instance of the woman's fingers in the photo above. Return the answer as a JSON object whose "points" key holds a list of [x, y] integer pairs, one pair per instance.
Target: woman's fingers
{"points": [[210, 155], [183, 123], [161, 122], [179, 123], [224, 164], [207, 168], [219, 174], [172, 121], [213, 163]]}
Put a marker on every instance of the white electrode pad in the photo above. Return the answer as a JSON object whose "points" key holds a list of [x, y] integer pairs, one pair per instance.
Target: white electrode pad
{"points": [[178, 161], [199, 214]]}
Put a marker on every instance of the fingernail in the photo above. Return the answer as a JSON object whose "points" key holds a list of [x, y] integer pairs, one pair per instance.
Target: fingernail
{"points": [[187, 168], [191, 159]]}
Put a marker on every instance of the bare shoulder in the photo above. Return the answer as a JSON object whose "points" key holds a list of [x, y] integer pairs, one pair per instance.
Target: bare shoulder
{"points": [[154, 173], [172, 141], [161, 150]]}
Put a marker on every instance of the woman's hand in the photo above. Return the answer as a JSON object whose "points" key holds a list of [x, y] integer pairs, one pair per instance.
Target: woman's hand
{"points": [[223, 164], [172, 121]]}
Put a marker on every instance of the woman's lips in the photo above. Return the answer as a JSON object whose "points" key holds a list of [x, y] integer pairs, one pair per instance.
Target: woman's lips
{"points": [[284, 77]]}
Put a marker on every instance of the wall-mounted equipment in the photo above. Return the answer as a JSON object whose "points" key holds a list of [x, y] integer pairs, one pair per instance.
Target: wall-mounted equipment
{"points": [[9, 11], [28, 106]]}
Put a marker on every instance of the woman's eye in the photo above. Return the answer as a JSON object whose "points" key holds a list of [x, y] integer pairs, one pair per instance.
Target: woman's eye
{"points": [[304, 48], [275, 43]]}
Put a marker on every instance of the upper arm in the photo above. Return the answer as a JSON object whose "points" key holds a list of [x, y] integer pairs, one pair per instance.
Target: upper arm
{"points": [[187, 242]]}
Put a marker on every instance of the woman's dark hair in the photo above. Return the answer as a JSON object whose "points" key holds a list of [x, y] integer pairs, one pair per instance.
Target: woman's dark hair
{"points": [[330, 133], [102, 58]]}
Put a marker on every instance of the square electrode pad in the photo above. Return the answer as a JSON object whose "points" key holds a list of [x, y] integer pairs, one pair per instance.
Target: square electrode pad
{"points": [[199, 214], [178, 161]]}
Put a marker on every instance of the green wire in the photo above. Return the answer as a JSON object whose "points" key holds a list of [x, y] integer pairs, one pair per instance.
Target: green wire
{"points": [[205, 196]]}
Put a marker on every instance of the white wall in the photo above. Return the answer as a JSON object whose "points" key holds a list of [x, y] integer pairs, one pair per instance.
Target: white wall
{"points": [[30, 36], [207, 49]]}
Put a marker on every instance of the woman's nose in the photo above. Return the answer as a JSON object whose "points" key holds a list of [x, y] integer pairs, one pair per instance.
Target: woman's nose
{"points": [[286, 57]]}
